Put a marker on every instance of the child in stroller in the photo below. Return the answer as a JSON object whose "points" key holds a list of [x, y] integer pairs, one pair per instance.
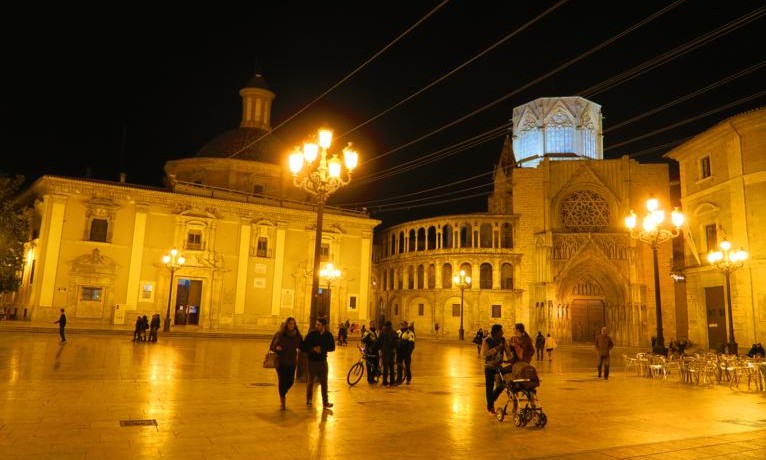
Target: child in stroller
{"points": [[520, 382]]}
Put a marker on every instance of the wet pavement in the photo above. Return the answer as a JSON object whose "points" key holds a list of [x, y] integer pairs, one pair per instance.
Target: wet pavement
{"points": [[211, 399]]}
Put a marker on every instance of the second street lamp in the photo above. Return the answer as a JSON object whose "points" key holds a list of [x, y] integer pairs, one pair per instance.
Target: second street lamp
{"points": [[320, 176], [173, 262], [654, 235], [462, 281], [728, 261], [330, 273]]}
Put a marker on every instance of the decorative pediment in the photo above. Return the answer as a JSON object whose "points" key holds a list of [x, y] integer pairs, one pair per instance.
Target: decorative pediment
{"points": [[706, 208], [560, 115], [94, 263], [101, 208]]}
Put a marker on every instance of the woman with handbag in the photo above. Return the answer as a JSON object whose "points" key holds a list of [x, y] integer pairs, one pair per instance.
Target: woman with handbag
{"points": [[285, 344]]}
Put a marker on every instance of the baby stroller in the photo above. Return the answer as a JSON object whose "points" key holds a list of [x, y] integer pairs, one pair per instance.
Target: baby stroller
{"points": [[520, 382]]}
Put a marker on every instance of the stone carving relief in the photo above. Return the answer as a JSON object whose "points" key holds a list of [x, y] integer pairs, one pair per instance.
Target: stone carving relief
{"points": [[585, 211], [565, 246]]}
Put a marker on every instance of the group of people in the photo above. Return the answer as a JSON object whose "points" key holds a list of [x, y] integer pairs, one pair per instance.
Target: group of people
{"points": [[142, 325], [496, 351], [541, 344], [317, 343], [756, 351], [386, 347]]}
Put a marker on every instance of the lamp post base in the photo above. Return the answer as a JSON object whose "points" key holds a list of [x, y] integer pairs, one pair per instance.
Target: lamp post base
{"points": [[733, 348], [461, 334], [659, 349]]}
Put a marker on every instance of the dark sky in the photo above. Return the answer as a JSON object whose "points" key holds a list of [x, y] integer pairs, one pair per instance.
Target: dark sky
{"points": [[126, 86]]}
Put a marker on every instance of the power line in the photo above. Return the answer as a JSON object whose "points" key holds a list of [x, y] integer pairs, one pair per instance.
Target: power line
{"points": [[343, 80]]}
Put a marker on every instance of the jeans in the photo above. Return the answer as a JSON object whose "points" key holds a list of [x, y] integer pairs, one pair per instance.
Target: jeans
{"points": [[388, 370], [539, 354], [317, 370], [492, 393], [603, 360], [61, 333], [403, 369], [372, 368], [286, 376]]}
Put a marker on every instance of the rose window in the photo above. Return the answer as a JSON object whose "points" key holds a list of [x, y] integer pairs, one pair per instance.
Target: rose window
{"points": [[585, 211]]}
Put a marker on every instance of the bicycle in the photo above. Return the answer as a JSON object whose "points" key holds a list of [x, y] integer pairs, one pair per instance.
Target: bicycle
{"points": [[357, 369]]}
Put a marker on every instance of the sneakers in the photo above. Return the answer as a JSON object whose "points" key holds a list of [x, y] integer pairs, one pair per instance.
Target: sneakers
{"points": [[308, 403], [282, 403], [492, 411], [328, 405]]}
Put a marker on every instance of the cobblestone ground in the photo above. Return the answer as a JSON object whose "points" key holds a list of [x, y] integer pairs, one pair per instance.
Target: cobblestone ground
{"points": [[211, 399]]}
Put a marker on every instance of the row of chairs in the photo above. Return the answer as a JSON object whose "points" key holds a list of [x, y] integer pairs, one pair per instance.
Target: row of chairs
{"points": [[700, 369]]}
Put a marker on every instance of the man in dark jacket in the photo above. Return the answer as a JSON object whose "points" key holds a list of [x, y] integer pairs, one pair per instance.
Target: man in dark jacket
{"points": [[387, 341], [604, 345], [317, 344], [405, 345], [62, 325], [370, 342]]}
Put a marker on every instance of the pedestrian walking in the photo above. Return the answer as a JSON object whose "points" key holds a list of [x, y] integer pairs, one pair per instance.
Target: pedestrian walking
{"points": [[604, 345], [317, 344], [478, 339], [285, 344], [493, 350], [550, 344], [62, 324], [539, 345]]}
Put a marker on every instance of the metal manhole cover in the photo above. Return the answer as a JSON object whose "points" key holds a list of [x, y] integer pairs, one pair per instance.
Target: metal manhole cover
{"points": [[263, 384], [143, 422]]}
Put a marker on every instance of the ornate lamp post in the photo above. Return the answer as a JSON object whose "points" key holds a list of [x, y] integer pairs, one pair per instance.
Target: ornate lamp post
{"points": [[330, 273], [173, 262], [728, 261], [320, 177], [653, 235], [462, 281]]}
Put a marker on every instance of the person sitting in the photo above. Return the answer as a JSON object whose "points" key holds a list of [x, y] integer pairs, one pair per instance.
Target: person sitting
{"points": [[756, 351]]}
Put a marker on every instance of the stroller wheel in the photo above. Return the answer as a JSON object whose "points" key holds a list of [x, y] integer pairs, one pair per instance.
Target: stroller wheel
{"points": [[540, 419], [518, 420]]}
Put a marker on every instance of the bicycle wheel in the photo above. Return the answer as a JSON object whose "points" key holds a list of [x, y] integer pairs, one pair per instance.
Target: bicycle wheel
{"points": [[355, 374]]}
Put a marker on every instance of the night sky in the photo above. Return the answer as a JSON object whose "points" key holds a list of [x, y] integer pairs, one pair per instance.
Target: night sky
{"points": [[98, 88]]}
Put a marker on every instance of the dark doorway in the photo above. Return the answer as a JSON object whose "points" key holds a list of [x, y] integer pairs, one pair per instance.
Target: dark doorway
{"points": [[188, 300], [323, 305], [716, 317], [588, 316]]}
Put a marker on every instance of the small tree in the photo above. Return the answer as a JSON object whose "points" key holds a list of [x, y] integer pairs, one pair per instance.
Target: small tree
{"points": [[14, 230]]}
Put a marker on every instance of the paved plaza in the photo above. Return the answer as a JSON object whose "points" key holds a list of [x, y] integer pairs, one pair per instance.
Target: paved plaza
{"points": [[211, 399]]}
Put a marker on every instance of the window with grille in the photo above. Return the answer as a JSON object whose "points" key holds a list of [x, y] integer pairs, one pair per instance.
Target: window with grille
{"points": [[421, 309], [324, 253], [455, 309], [497, 311], [585, 211], [262, 248], [194, 240]]}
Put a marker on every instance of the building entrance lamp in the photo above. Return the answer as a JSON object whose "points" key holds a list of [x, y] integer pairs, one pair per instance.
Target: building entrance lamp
{"points": [[653, 234], [329, 273], [728, 261], [320, 176], [462, 281], [173, 261]]}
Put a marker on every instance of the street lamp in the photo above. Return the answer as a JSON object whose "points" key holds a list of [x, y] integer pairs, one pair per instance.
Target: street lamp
{"points": [[728, 261], [653, 235], [320, 178], [330, 273], [173, 261], [462, 281]]}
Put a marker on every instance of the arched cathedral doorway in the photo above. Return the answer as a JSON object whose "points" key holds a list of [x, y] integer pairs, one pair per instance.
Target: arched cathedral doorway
{"points": [[588, 316]]}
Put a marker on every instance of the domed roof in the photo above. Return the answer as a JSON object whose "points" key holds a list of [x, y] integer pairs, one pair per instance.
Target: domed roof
{"points": [[258, 82], [240, 144]]}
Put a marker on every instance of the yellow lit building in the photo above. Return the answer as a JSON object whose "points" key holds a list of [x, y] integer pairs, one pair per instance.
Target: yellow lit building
{"points": [[247, 235], [552, 251], [723, 190]]}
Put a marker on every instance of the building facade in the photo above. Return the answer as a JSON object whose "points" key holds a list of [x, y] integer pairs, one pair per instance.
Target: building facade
{"points": [[247, 235], [723, 190], [552, 251]]}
